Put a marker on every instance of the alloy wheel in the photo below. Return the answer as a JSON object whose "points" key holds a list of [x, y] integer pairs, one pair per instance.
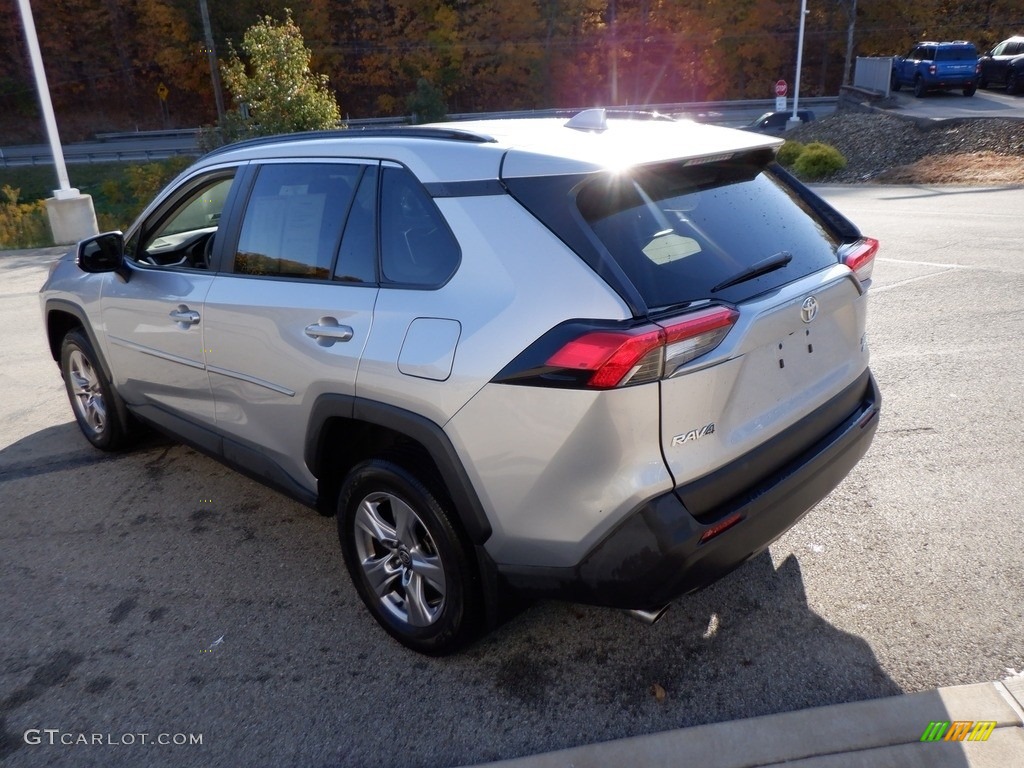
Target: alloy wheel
{"points": [[400, 560], [87, 395]]}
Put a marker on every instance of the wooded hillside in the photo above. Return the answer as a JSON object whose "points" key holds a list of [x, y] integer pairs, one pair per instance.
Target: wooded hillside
{"points": [[106, 58]]}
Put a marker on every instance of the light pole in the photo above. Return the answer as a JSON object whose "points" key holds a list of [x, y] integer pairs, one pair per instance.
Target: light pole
{"points": [[794, 120], [71, 214], [45, 103]]}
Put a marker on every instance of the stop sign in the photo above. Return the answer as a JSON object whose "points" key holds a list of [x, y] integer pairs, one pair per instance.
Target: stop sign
{"points": [[781, 88]]}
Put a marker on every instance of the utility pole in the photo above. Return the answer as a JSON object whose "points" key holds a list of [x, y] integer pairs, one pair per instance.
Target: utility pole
{"points": [[795, 120], [851, 11], [211, 53]]}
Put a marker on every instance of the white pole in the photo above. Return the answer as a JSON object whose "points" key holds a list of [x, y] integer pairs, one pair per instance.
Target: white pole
{"points": [[65, 190], [799, 62]]}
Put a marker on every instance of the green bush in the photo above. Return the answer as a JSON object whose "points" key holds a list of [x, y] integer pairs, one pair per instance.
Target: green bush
{"points": [[144, 181], [121, 196], [789, 152], [819, 161], [22, 225], [119, 192]]}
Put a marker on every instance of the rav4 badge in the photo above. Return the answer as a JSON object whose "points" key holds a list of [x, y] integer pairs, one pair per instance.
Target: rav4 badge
{"points": [[694, 434]]}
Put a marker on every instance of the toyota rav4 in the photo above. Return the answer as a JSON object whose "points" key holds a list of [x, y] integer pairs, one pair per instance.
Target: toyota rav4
{"points": [[605, 359]]}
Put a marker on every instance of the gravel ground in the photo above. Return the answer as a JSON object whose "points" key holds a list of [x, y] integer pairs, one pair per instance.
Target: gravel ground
{"points": [[884, 148]]}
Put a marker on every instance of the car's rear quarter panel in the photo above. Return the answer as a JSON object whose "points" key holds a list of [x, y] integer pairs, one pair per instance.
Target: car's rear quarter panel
{"points": [[515, 282]]}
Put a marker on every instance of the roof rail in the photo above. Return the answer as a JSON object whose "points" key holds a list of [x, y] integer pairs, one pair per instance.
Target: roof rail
{"points": [[394, 131]]}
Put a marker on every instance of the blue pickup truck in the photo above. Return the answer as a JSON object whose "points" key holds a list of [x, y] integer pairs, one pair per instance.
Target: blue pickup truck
{"points": [[937, 66]]}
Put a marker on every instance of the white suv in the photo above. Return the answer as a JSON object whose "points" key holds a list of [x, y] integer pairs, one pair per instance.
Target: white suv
{"points": [[602, 359]]}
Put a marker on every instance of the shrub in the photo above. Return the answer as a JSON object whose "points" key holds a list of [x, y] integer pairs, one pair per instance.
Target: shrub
{"points": [[144, 181], [122, 197], [22, 225], [789, 152], [818, 161]]}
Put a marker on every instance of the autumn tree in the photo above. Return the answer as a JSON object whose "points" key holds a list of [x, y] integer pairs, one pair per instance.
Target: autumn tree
{"points": [[275, 83]]}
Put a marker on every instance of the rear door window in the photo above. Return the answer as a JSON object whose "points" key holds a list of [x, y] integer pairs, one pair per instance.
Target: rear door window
{"points": [[294, 219]]}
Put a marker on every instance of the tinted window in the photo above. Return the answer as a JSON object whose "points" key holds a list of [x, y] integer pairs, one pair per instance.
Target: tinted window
{"points": [[293, 221], [357, 261], [678, 232], [416, 246], [959, 53]]}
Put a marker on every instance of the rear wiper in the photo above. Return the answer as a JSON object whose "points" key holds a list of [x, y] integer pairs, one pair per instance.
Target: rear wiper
{"points": [[762, 267]]}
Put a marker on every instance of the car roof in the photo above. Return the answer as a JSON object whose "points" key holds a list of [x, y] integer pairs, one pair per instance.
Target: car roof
{"points": [[470, 150]]}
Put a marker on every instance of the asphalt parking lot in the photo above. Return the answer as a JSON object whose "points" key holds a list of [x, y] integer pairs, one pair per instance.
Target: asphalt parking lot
{"points": [[160, 593]]}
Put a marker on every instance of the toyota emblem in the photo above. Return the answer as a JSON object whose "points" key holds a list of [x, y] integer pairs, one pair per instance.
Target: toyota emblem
{"points": [[809, 310]]}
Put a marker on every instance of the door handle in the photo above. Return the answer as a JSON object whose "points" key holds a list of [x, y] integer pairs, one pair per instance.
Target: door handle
{"points": [[327, 332], [184, 316]]}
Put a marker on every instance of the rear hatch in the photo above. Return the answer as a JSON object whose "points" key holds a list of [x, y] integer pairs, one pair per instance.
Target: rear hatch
{"points": [[763, 323], [956, 61]]}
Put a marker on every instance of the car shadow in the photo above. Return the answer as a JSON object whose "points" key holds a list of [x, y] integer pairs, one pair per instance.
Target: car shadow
{"points": [[748, 645], [58, 448], [164, 552]]}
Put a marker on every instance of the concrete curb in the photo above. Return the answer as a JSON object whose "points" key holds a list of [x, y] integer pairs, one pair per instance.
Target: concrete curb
{"points": [[881, 733]]}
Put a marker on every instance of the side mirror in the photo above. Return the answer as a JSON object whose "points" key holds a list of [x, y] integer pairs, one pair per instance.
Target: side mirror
{"points": [[102, 253]]}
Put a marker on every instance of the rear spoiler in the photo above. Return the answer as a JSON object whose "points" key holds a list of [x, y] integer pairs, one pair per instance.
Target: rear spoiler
{"points": [[840, 226]]}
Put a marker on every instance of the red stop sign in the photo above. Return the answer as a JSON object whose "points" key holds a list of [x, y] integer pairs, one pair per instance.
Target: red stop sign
{"points": [[781, 88]]}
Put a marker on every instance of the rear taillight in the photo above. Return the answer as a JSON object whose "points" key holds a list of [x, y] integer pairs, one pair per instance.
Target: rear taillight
{"points": [[860, 257], [604, 359]]}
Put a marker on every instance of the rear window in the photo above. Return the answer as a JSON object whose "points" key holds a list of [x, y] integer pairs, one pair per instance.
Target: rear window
{"points": [[679, 233], [959, 53]]}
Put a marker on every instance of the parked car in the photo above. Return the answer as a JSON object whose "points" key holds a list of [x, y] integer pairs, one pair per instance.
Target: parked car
{"points": [[606, 360], [931, 66], [1004, 65], [777, 122]]}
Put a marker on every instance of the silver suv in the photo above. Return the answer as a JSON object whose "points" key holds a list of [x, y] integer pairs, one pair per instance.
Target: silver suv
{"points": [[604, 359]]}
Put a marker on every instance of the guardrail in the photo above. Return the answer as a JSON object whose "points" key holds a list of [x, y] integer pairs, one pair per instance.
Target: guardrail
{"points": [[108, 156], [183, 141], [171, 133]]}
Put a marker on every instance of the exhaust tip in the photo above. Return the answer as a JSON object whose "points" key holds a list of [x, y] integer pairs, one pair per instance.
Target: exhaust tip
{"points": [[649, 617]]}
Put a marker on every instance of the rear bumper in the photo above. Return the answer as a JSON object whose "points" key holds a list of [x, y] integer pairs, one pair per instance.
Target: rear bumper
{"points": [[949, 82], [657, 554]]}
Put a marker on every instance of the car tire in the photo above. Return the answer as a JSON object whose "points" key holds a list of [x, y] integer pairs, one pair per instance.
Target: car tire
{"points": [[1012, 82], [919, 88], [406, 556], [92, 397], [970, 90]]}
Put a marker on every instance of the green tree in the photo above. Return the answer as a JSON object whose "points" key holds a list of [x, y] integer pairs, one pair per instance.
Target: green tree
{"points": [[275, 83], [426, 103]]}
